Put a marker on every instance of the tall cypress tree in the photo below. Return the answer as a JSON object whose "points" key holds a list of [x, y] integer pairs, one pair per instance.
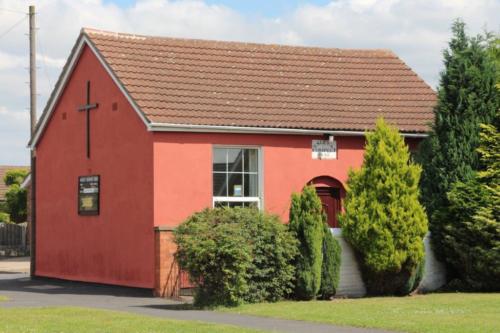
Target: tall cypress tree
{"points": [[467, 97], [306, 220], [330, 269], [383, 219]]}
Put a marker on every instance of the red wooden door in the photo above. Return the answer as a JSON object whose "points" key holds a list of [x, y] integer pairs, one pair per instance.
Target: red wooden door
{"points": [[330, 199]]}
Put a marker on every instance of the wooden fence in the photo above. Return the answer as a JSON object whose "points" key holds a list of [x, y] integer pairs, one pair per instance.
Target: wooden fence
{"points": [[13, 235]]}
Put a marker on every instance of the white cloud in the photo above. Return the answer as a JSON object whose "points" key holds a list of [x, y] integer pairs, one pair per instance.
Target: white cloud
{"points": [[8, 61], [416, 30], [50, 62], [16, 116], [14, 129]]}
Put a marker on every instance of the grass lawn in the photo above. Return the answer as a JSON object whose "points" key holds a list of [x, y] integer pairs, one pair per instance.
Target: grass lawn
{"points": [[76, 320], [440, 313]]}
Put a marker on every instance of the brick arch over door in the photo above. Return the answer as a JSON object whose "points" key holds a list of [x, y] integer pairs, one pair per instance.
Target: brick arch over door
{"points": [[332, 194]]}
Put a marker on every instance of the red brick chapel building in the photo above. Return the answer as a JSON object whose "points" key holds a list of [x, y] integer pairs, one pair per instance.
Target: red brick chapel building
{"points": [[140, 132]]}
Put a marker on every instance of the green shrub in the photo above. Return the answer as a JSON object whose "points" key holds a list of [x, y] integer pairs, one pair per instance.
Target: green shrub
{"points": [[383, 219], [274, 249], [306, 221], [236, 255], [471, 236], [15, 176], [16, 203], [331, 264], [15, 197], [4, 217]]}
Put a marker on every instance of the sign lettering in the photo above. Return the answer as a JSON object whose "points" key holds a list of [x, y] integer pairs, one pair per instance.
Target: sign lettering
{"points": [[88, 195], [324, 150]]}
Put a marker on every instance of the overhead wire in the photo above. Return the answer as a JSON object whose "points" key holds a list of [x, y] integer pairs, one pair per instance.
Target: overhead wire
{"points": [[13, 26], [43, 55], [11, 10]]}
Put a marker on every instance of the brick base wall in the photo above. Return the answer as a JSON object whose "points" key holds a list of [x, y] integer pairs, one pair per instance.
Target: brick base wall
{"points": [[167, 276]]}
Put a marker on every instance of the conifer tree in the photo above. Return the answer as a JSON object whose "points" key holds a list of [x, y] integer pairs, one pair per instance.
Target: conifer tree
{"points": [[493, 51], [306, 220], [472, 242], [466, 97], [330, 268], [383, 219]]}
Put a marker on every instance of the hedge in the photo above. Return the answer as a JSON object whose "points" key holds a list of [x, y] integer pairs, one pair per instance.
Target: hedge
{"points": [[236, 255]]}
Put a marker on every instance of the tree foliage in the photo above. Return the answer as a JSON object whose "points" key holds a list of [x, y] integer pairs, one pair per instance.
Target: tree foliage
{"points": [[306, 221], [493, 51], [466, 97], [472, 230], [383, 218], [236, 255], [4, 217], [330, 268], [15, 176], [15, 197]]}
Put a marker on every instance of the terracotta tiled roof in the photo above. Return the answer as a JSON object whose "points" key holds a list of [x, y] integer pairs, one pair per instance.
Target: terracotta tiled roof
{"points": [[198, 82], [3, 171]]}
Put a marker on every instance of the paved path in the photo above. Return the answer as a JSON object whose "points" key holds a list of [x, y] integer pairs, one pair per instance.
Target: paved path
{"points": [[17, 264], [24, 292]]}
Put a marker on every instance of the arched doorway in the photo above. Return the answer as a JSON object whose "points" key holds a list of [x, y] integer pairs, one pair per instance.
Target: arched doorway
{"points": [[331, 192]]}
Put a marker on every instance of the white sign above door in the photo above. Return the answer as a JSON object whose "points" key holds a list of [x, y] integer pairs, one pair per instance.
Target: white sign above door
{"points": [[324, 149]]}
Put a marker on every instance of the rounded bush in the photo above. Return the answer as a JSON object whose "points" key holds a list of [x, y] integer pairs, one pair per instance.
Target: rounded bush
{"points": [[236, 255]]}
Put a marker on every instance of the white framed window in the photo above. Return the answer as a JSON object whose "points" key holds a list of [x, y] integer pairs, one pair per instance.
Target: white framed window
{"points": [[236, 176]]}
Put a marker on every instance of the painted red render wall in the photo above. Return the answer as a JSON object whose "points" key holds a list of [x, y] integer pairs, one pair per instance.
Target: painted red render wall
{"points": [[183, 169], [116, 247]]}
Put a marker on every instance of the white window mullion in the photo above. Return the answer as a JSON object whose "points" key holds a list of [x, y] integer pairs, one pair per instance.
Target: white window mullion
{"points": [[227, 172], [254, 185], [237, 199]]}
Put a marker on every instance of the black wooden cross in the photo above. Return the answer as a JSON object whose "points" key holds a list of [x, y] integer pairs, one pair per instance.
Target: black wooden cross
{"points": [[87, 107]]}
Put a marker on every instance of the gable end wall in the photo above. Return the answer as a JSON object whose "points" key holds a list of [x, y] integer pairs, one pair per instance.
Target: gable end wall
{"points": [[117, 246]]}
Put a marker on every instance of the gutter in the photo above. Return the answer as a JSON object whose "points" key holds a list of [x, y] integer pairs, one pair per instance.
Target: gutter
{"points": [[165, 127]]}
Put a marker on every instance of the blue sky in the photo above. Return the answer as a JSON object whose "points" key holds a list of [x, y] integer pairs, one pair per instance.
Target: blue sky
{"points": [[267, 8]]}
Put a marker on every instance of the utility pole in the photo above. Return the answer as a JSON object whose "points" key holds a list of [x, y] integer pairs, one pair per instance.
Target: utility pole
{"points": [[32, 33]]}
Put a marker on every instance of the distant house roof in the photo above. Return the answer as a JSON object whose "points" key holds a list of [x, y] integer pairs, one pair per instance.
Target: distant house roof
{"points": [[187, 83], [3, 171]]}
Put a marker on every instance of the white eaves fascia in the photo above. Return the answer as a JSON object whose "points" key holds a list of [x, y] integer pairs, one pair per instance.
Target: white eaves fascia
{"points": [[165, 127]]}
